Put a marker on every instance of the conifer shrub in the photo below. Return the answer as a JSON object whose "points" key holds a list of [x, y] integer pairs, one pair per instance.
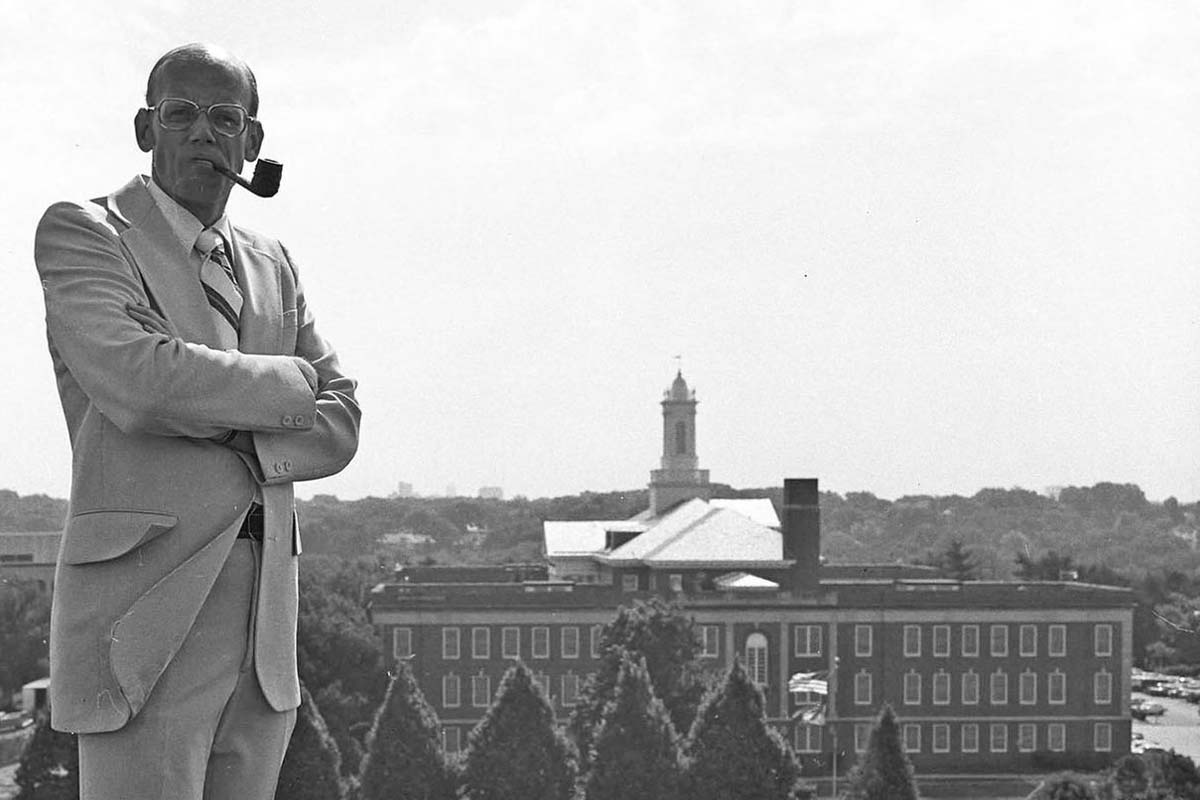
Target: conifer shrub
{"points": [[312, 765], [884, 772]]}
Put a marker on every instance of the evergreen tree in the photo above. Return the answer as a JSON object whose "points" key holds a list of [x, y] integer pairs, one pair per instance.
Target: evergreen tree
{"points": [[732, 753], [884, 773], [404, 759], [516, 752], [957, 563], [49, 767], [636, 749], [312, 763], [659, 633]]}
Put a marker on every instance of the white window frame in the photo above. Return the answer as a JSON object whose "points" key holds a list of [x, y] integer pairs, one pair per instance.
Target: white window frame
{"points": [[911, 737], [863, 689], [1102, 683], [912, 641], [1102, 737], [941, 688], [481, 691], [451, 643], [402, 643], [1103, 644], [1027, 688], [451, 691], [1056, 737], [998, 732], [568, 640], [1030, 632], [862, 736], [941, 641], [710, 641], [451, 739], [912, 688], [969, 694], [481, 645], [1026, 737], [1056, 688], [758, 658], [970, 636], [569, 686], [998, 681], [675, 581], [510, 642], [969, 744], [1058, 632], [998, 646], [595, 635], [804, 737], [807, 640], [542, 632], [939, 738], [864, 640]]}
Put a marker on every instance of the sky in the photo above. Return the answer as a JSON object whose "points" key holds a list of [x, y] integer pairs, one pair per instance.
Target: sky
{"points": [[905, 248]]}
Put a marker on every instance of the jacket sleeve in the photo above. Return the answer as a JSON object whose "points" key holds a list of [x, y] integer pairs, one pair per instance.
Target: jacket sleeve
{"points": [[143, 382], [328, 446]]}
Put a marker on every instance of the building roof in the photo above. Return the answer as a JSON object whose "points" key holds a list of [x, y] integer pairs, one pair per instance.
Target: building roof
{"points": [[695, 532], [41, 545], [583, 537], [759, 509], [744, 581]]}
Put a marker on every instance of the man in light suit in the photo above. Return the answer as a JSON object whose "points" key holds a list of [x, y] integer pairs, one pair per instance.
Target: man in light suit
{"points": [[196, 390]]}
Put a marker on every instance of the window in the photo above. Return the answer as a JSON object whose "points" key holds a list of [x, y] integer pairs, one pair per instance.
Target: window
{"points": [[1057, 646], [969, 738], [1027, 688], [941, 640], [597, 633], [481, 643], [941, 688], [1056, 688], [451, 741], [681, 445], [862, 689], [756, 658], [541, 642], [510, 642], [402, 643], [970, 688], [912, 689], [569, 637], [629, 582], [999, 692], [449, 642], [570, 689], [1102, 687], [451, 691], [1028, 640], [862, 640], [808, 738], [941, 738], [970, 640], [912, 737], [1103, 640], [808, 640], [1056, 737], [999, 737], [710, 641], [999, 634], [1102, 737], [481, 690], [1027, 737], [912, 640], [862, 735]]}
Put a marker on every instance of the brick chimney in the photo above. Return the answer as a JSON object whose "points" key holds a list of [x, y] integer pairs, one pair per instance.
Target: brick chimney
{"points": [[802, 532]]}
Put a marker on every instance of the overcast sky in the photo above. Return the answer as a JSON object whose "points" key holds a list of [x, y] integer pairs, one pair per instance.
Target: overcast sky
{"points": [[903, 248]]}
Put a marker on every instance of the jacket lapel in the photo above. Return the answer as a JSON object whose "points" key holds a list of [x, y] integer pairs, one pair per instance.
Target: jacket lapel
{"points": [[165, 271], [262, 306]]}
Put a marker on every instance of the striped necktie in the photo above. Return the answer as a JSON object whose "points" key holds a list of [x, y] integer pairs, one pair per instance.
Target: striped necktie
{"points": [[220, 286]]}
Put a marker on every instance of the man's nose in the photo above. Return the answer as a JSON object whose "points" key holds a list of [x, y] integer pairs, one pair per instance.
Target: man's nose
{"points": [[201, 130]]}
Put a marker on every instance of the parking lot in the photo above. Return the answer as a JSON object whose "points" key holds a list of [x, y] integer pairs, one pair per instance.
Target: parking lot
{"points": [[1178, 729]]}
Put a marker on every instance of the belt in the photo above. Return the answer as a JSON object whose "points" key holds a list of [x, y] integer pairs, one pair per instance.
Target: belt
{"points": [[252, 525]]}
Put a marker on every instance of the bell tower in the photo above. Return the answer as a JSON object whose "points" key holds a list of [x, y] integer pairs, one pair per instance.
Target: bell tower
{"points": [[680, 477]]}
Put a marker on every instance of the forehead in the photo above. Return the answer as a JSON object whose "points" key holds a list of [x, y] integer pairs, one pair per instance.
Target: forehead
{"points": [[203, 83]]}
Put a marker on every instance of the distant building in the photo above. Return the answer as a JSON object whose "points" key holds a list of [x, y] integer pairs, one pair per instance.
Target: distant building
{"points": [[987, 678], [491, 493], [404, 490], [30, 555]]}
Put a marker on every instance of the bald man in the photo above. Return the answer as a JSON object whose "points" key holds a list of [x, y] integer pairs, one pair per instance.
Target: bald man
{"points": [[196, 390]]}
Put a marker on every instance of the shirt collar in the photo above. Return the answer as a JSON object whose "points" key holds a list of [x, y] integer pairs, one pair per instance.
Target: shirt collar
{"points": [[182, 222]]}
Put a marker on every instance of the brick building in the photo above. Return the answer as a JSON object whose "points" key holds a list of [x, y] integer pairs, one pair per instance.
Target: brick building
{"points": [[986, 678]]}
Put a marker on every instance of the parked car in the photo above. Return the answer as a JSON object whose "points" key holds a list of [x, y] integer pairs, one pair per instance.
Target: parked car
{"points": [[14, 721], [1142, 709]]}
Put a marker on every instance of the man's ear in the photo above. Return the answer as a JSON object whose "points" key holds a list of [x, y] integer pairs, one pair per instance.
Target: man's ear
{"points": [[254, 138], [143, 128]]}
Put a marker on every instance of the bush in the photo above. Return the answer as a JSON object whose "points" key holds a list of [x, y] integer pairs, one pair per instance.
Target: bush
{"points": [[884, 773], [312, 765], [49, 767]]}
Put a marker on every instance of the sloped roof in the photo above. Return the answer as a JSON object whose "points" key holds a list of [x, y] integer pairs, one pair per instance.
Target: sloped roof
{"points": [[759, 509], [696, 532], [583, 537], [744, 581]]}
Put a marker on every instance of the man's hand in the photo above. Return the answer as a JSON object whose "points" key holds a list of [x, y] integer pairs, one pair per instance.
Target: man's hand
{"points": [[151, 321]]}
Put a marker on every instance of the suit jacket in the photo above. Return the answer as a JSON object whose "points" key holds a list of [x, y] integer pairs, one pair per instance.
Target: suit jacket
{"points": [[156, 503]]}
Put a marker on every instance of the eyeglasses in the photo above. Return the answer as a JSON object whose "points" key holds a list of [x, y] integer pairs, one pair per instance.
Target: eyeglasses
{"points": [[177, 114]]}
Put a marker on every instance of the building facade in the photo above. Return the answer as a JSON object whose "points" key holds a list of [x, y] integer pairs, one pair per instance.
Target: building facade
{"points": [[986, 678]]}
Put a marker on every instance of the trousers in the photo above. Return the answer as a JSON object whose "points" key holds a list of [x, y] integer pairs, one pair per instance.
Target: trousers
{"points": [[206, 731]]}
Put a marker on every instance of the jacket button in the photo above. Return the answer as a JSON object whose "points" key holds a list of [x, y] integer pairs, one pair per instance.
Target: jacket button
{"points": [[287, 420]]}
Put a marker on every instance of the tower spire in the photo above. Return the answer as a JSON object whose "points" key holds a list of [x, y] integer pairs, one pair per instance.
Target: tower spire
{"points": [[679, 477]]}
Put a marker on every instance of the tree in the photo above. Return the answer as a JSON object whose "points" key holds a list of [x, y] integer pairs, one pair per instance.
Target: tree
{"points": [[516, 752], [24, 632], [636, 749], [1064, 786], [312, 765], [884, 773], [660, 634], [49, 767], [957, 563], [404, 758], [1154, 776], [732, 753]]}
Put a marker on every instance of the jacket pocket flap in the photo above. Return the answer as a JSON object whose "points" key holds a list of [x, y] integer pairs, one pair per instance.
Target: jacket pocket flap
{"points": [[93, 536]]}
